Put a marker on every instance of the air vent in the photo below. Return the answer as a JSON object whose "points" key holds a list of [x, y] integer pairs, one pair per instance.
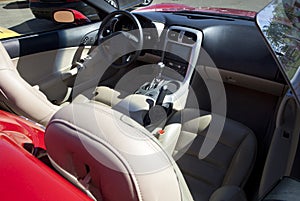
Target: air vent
{"points": [[189, 37], [173, 34]]}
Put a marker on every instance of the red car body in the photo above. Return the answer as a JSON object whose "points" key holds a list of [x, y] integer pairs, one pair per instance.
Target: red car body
{"points": [[24, 177], [172, 7]]}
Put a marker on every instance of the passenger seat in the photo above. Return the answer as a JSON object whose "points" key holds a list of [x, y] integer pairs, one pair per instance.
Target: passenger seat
{"points": [[228, 165]]}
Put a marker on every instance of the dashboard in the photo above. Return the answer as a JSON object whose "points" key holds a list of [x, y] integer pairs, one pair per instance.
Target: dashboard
{"points": [[227, 42], [182, 42]]}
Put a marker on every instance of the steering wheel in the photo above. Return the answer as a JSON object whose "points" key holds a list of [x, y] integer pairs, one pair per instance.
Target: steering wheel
{"points": [[118, 39]]}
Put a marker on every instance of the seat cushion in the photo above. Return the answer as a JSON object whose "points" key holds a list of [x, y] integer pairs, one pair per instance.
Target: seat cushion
{"points": [[229, 163], [228, 193]]}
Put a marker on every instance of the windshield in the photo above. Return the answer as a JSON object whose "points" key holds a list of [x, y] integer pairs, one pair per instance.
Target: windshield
{"points": [[252, 5], [279, 23]]}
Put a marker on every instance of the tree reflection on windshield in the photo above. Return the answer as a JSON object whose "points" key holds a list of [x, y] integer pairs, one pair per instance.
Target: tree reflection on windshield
{"points": [[284, 39], [283, 36]]}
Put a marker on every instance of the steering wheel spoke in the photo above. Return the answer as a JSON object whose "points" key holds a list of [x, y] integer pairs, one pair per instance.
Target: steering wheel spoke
{"points": [[131, 37], [127, 43]]}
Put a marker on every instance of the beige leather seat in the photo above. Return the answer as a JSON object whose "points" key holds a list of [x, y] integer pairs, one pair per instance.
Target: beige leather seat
{"points": [[19, 96], [111, 157], [230, 162]]}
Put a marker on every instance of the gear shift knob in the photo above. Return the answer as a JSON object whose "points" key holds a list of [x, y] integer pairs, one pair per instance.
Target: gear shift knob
{"points": [[161, 66]]}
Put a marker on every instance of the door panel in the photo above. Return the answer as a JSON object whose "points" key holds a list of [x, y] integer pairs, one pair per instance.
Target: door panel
{"points": [[283, 146], [42, 59], [48, 68]]}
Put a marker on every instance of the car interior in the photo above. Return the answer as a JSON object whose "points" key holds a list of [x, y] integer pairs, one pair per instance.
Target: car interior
{"points": [[197, 94]]}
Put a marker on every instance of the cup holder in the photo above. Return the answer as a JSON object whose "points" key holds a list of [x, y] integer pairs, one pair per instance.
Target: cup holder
{"points": [[173, 86]]}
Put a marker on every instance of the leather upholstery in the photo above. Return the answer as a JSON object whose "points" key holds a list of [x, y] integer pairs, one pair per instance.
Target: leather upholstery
{"points": [[19, 96], [124, 161], [228, 193], [229, 163]]}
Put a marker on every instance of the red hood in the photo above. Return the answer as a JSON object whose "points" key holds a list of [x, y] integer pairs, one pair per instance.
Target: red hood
{"points": [[171, 7]]}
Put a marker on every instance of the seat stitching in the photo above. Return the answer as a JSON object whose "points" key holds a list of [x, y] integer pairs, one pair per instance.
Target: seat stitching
{"points": [[197, 177], [230, 164], [216, 165], [219, 141]]}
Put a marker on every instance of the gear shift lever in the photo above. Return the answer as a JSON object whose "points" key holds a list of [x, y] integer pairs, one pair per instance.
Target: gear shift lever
{"points": [[158, 77], [161, 66]]}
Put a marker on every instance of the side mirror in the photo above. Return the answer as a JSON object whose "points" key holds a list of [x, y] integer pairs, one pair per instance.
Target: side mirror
{"points": [[70, 16], [64, 16]]}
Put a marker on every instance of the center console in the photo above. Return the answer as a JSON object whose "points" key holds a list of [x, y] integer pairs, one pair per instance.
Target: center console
{"points": [[169, 87], [181, 50], [153, 102], [180, 54]]}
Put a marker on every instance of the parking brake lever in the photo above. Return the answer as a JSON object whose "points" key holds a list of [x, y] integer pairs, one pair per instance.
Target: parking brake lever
{"points": [[162, 94]]}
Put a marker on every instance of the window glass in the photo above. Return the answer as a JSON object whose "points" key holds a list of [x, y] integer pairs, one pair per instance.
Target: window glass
{"points": [[35, 16]]}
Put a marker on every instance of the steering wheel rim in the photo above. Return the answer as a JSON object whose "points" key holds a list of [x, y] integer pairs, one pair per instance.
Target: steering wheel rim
{"points": [[138, 47]]}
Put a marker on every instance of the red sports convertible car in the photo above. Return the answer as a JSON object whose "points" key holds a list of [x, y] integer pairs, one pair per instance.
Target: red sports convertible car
{"points": [[165, 103]]}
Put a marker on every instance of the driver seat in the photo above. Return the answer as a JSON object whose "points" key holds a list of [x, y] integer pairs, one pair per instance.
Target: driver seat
{"points": [[112, 157], [20, 97]]}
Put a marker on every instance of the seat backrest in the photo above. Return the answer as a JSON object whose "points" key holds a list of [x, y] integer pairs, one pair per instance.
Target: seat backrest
{"points": [[19, 96], [112, 156]]}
